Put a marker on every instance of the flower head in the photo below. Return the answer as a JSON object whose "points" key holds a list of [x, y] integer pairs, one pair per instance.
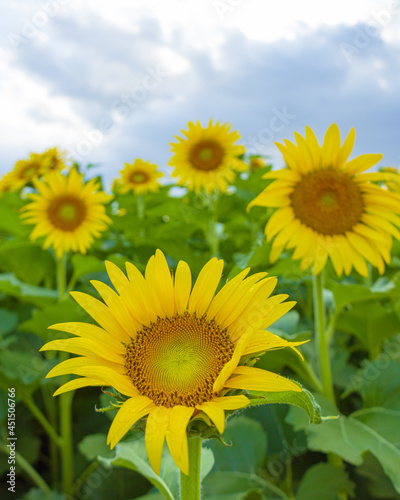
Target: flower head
{"points": [[328, 207], [139, 177], [54, 159], [69, 213], [174, 351], [6, 183], [207, 157], [391, 181], [26, 171]]}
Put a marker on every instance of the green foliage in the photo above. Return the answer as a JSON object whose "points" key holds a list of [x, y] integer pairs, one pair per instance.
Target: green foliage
{"points": [[303, 399], [132, 455], [247, 446], [324, 482], [275, 449]]}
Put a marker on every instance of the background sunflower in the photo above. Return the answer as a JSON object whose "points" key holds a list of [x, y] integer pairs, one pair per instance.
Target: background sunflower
{"points": [[328, 207], [67, 211], [207, 158]]}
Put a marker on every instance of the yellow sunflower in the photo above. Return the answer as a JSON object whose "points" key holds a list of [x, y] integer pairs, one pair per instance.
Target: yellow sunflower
{"points": [[174, 351], [207, 157], [6, 183], [328, 207], [392, 183], [53, 159], [139, 177], [26, 171], [69, 213], [257, 162]]}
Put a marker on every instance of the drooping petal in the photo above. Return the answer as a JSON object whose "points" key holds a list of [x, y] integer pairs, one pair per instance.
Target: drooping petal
{"points": [[156, 429], [177, 437], [130, 412]]}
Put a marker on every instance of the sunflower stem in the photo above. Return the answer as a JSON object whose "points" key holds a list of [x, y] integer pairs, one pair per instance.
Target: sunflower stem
{"points": [[37, 413], [190, 484], [140, 206], [61, 275], [65, 398], [323, 354], [321, 340], [66, 436], [213, 239]]}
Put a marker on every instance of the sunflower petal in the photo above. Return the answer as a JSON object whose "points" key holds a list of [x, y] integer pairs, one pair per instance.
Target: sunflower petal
{"points": [[177, 436], [130, 412], [249, 378]]}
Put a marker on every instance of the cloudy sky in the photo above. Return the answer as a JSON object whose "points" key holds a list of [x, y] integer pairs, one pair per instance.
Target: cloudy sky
{"points": [[114, 82]]}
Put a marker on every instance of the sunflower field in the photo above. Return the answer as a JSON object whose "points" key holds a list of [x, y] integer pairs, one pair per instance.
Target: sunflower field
{"points": [[216, 329]]}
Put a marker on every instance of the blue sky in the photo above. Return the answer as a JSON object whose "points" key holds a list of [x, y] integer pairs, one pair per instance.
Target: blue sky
{"points": [[111, 84]]}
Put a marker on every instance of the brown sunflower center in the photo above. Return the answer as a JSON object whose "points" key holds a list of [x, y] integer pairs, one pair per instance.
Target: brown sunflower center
{"points": [[176, 360], [206, 155], [328, 201], [139, 177], [67, 213]]}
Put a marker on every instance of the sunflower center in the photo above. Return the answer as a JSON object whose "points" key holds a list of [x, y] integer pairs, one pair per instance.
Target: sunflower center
{"points": [[30, 171], [328, 201], [139, 177], [206, 155], [66, 213], [175, 360]]}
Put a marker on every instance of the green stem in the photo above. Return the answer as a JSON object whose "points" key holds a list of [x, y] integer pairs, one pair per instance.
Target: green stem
{"points": [[190, 484], [140, 206], [51, 410], [323, 354], [65, 399], [43, 421], [61, 276], [85, 474], [28, 469], [321, 340], [66, 435], [213, 239], [312, 377]]}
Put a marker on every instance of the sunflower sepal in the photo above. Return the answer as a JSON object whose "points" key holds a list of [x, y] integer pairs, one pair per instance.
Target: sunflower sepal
{"points": [[205, 431]]}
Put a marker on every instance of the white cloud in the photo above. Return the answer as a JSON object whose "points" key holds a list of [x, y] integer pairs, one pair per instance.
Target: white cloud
{"points": [[151, 68]]}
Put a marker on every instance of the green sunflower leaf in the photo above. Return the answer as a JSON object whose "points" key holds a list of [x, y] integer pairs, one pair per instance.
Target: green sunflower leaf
{"points": [[304, 400], [36, 295], [324, 482], [132, 455]]}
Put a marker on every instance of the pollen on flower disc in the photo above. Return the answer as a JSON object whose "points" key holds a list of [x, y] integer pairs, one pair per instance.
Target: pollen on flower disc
{"points": [[328, 201], [175, 360]]}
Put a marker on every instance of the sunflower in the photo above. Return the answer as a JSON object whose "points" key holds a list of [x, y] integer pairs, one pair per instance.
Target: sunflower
{"points": [[257, 162], [207, 158], [174, 351], [68, 212], [393, 182], [6, 183], [53, 159], [26, 171], [328, 207], [139, 177]]}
